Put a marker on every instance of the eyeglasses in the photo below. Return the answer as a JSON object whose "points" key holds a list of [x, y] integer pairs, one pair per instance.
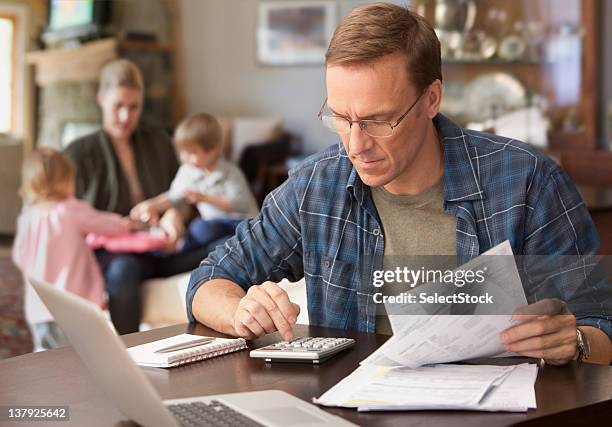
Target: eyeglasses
{"points": [[374, 128]]}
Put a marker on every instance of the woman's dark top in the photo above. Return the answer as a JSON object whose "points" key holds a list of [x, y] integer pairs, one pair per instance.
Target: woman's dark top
{"points": [[100, 179]]}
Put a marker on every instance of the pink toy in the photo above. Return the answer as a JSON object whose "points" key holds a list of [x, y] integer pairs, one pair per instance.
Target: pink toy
{"points": [[136, 242]]}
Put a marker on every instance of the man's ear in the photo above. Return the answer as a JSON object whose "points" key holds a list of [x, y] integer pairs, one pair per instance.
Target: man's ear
{"points": [[434, 98]]}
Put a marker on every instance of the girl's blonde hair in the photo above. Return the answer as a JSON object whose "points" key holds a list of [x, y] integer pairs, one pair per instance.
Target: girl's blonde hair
{"points": [[44, 176]]}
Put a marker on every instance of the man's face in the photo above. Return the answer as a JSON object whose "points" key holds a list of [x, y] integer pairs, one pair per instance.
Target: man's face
{"points": [[121, 107], [380, 90]]}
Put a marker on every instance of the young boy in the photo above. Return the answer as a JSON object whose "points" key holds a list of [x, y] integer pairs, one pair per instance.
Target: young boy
{"points": [[215, 186]]}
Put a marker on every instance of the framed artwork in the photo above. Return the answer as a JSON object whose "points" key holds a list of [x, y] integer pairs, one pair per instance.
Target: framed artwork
{"points": [[294, 32]]}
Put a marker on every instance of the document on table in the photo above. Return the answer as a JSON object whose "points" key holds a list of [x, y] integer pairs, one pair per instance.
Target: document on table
{"points": [[394, 378], [441, 338], [474, 387]]}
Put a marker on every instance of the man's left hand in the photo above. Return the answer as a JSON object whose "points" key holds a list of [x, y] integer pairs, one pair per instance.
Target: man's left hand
{"points": [[548, 332]]}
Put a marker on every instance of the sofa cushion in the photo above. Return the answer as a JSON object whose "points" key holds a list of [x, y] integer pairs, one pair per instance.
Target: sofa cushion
{"points": [[162, 304]]}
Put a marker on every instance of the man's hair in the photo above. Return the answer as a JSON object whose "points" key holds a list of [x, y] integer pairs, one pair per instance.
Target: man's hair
{"points": [[120, 72], [199, 129], [375, 30], [44, 176]]}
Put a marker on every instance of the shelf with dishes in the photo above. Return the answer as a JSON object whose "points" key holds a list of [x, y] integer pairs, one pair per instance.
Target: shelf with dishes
{"points": [[527, 69], [494, 30]]}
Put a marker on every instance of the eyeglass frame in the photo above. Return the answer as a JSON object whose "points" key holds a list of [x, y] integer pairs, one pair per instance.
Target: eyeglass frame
{"points": [[360, 121]]}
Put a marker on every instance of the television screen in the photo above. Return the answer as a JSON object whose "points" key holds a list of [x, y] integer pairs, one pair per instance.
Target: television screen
{"points": [[76, 20], [70, 13]]}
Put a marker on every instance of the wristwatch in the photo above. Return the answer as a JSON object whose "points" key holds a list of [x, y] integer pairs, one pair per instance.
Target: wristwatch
{"points": [[583, 349]]}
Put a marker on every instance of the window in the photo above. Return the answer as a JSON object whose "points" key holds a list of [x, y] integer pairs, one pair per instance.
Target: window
{"points": [[7, 73]]}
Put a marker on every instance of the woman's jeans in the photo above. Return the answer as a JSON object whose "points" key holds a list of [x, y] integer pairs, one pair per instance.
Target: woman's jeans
{"points": [[125, 272]]}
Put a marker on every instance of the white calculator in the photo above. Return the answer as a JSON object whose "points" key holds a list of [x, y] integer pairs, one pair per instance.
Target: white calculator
{"points": [[304, 349]]}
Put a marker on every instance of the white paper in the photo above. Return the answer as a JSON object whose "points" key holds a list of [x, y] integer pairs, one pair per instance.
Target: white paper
{"points": [[441, 338], [479, 387], [515, 394], [447, 387], [394, 378]]}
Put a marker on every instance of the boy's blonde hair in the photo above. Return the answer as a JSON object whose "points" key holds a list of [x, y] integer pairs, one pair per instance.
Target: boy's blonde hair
{"points": [[120, 72], [200, 129], [44, 176]]}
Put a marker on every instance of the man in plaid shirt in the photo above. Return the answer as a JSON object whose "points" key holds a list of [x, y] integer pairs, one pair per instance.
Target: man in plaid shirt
{"points": [[384, 85]]}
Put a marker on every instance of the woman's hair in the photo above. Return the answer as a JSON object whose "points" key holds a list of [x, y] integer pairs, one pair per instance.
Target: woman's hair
{"points": [[120, 72], [44, 176], [199, 129], [375, 30]]}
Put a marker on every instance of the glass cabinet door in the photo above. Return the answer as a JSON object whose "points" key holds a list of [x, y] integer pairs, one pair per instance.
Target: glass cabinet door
{"points": [[523, 68]]}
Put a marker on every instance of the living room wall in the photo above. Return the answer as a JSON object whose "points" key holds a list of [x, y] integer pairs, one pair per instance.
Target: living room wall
{"points": [[223, 76]]}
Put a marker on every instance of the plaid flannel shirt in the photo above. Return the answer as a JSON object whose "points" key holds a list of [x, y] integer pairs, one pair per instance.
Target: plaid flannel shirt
{"points": [[322, 224]]}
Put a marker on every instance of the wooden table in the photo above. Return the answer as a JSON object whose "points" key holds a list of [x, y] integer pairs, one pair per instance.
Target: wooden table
{"points": [[576, 392]]}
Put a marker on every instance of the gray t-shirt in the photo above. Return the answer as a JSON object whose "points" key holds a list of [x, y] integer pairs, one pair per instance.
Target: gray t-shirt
{"points": [[226, 180], [414, 226]]}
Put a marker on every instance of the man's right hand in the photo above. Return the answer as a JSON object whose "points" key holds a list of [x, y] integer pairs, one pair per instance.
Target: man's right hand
{"points": [[264, 309]]}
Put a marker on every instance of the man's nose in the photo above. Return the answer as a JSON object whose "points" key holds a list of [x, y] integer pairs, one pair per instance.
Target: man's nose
{"points": [[359, 141]]}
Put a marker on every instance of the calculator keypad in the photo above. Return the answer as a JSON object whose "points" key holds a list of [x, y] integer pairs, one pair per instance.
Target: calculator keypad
{"points": [[310, 349]]}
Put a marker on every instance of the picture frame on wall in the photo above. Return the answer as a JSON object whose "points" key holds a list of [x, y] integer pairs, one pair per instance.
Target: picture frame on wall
{"points": [[294, 32]]}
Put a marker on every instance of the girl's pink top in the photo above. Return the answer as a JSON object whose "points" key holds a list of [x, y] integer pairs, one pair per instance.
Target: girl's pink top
{"points": [[50, 246]]}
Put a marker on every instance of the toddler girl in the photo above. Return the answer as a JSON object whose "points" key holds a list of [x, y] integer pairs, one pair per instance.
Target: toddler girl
{"points": [[50, 240]]}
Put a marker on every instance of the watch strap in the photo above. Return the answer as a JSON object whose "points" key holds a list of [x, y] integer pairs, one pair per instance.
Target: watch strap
{"points": [[582, 346]]}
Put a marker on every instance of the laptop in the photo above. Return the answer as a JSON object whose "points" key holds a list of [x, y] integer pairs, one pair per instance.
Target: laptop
{"points": [[124, 383]]}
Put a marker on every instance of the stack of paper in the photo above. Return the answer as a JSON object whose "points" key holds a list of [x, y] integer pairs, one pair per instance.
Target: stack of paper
{"points": [[441, 338], [394, 378], [475, 387]]}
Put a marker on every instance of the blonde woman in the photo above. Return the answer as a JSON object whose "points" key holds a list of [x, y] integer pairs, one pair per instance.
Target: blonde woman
{"points": [[116, 168]]}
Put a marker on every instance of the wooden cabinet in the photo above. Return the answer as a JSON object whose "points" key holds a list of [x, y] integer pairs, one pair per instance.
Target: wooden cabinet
{"points": [[533, 57]]}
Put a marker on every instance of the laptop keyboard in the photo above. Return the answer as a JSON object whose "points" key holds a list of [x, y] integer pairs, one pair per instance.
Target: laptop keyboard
{"points": [[212, 414]]}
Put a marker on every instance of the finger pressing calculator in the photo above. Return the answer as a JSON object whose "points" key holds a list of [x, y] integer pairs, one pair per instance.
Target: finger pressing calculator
{"points": [[305, 349]]}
